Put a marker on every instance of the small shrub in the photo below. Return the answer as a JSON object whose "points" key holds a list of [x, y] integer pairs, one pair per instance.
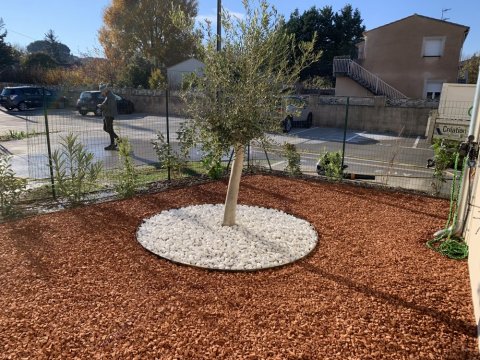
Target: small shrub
{"points": [[11, 188], [75, 172], [445, 152], [127, 178], [331, 163], [212, 158], [17, 135], [293, 159], [212, 163], [317, 82], [167, 158], [156, 80]]}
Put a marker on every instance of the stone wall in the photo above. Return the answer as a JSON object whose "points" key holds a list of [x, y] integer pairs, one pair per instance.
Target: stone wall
{"points": [[153, 101], [375, 114], [406, 117]]}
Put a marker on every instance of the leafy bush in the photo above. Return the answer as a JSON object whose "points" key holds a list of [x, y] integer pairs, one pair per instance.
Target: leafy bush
{"points": [[11, 188], [317, 82], [212, 163], [445, 152], [331, 163], [212, 150], [167, 158], [156, 79], [75, 172], [127, 178], [293, 159]]}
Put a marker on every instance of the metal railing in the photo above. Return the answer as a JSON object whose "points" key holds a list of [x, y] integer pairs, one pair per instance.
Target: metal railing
{"points": [[365, 78]]}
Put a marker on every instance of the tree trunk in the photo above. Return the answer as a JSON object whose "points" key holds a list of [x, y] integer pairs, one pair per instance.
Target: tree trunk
{"points": [[233, 186]]}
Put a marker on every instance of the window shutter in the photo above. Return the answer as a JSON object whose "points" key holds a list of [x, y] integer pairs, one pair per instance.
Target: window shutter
{"points": [[433, 47], [434, 87]]}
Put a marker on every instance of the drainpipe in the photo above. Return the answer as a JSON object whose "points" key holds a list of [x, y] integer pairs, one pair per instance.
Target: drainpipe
{"points": [[458, 226]]}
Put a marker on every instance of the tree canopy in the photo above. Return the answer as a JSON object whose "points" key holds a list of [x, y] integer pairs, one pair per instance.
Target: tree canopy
{"points": [[237, 97], [470, 68], [39, 60], [337, 34], [52, 46], [146, 28], [7, 54]]}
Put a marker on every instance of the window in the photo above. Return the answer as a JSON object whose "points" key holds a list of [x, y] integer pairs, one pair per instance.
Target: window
{"points": [[85, 96], [433, 89], [433, 46]]}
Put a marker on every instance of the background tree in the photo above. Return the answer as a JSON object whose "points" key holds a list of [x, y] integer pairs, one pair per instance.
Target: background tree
{"points": [[51, 46], [7, 53], [337, 34], [236, 98], [145, 27], [136, 73], [39, 60], [470, 68]]}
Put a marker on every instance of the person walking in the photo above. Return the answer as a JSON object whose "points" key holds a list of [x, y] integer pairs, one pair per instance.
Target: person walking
{"points": [[109, 111]]}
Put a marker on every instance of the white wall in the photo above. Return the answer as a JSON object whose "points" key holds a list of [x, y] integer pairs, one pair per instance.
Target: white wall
{"points": [[176, 73], [472, 236]]}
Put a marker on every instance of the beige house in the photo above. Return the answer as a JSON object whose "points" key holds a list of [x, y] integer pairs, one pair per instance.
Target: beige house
{"points": [[408, 58]]}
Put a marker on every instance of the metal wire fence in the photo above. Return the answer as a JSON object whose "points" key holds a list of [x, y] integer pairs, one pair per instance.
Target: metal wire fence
{"points": [[385, 142], [380, 141]]}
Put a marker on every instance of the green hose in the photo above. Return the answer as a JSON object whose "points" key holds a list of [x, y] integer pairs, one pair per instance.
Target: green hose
{"points": [[453, 248]]}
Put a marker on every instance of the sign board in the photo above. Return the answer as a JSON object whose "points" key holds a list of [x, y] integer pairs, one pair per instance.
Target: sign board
{"points": [[456, 101], [450, 129], [454, 112]]}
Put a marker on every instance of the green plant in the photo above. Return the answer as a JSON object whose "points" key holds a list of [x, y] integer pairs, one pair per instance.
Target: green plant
{"points": [[11, 187], [167, 158], [127, 177], [317, 82], [18, 135], [75, 172], [331, 164], [156, 79], [212, 150], [445, 152], [293, 159], [228, 101], [212, 163]]}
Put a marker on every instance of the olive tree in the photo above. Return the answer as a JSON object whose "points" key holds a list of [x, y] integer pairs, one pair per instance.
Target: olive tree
{"points": [[236, 98]]}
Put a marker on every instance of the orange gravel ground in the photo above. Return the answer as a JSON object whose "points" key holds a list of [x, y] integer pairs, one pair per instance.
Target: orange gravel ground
{"points": [[76, 284]]}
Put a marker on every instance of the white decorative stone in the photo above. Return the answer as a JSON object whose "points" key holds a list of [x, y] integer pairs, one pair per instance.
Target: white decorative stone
{"points": [[194, 235]]}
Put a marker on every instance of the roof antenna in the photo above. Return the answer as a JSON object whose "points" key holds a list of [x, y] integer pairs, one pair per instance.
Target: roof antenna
{"points": [[444, 11]]}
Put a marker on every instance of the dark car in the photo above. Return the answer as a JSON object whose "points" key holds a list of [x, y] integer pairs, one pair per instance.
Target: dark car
{"points": [[27, 97], [89, 100]]}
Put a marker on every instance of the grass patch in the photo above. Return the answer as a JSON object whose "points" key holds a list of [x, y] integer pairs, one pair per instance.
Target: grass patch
{"points": [[19, 135]]}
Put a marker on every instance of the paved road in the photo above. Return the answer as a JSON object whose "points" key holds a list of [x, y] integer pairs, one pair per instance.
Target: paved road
{"points": [[398, 161]]}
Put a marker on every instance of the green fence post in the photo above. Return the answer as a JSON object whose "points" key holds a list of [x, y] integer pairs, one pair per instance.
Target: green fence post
{"points": [[168, 135], [345, 131], [49, 149]]}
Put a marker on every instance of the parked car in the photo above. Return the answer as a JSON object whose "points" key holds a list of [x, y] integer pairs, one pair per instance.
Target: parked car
{"points": [[26, 97], [88, 101], [297, 113]]}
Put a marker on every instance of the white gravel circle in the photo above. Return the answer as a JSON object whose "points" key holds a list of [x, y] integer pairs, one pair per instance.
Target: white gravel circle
{"points": [[194, 235]]}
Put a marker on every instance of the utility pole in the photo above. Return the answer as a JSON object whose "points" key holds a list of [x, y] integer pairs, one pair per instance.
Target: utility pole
{"points": [[219, 25]]}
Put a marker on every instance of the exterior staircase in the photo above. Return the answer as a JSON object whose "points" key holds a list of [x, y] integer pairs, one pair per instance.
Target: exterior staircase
{"points": [[348, 67]]}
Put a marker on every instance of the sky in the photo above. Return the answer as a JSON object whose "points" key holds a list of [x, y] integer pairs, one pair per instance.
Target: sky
{"points": [[76, 22]]}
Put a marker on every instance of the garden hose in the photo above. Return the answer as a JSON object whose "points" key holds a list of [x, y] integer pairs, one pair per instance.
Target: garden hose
{"points": [[445, 244]]}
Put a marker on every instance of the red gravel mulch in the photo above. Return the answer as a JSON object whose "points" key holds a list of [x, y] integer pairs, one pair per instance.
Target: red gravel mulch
{"points": [[76, 284]]}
